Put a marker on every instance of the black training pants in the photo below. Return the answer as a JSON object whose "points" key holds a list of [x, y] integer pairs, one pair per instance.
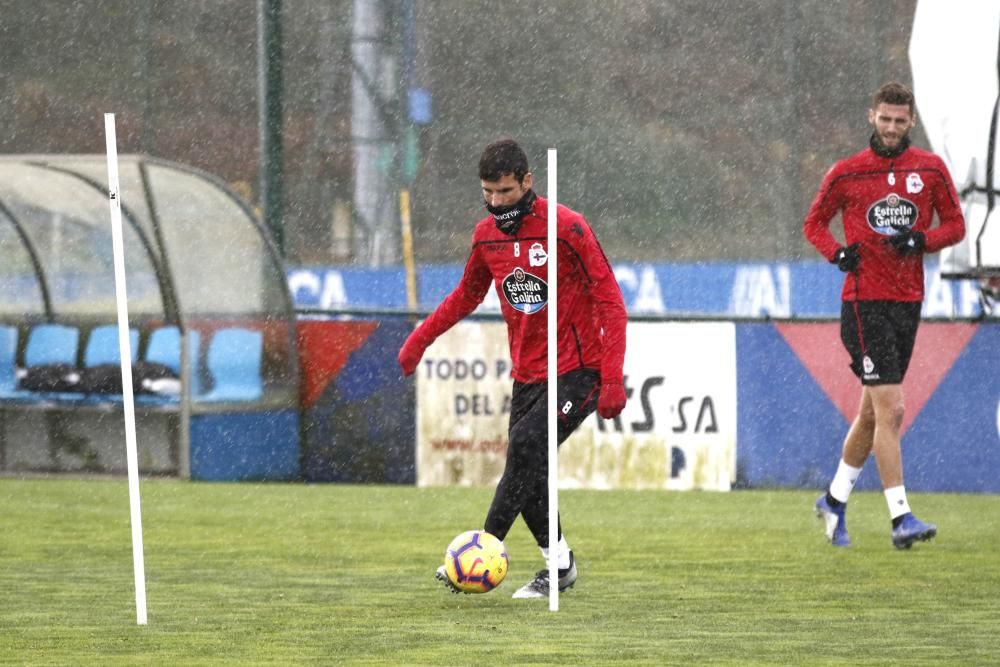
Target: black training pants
{"points": [[523, 487]]}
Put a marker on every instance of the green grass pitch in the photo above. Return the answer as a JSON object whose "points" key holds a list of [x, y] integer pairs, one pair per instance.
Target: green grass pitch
{"points": [[289, 574]]}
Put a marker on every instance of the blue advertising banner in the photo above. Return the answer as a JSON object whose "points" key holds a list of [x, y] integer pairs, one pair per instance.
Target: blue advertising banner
{"points": [[358, 420], [807, 289], [796, 399]]}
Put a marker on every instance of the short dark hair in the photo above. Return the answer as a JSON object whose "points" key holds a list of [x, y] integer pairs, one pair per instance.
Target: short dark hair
{"points": [[894, 92], [503, 157]]}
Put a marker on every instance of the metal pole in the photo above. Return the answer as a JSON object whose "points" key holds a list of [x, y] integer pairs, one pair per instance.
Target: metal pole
{"points": [[552, 365], [125, 350], [145, 126], [270, 117], [373, 109], [367, 130]]}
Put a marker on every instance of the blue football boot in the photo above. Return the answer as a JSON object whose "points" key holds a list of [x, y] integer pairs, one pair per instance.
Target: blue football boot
{"points": [[836, 522], [910, 530]]}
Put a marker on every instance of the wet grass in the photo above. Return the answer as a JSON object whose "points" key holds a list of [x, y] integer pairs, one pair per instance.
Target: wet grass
{"points": [[274, 574]]}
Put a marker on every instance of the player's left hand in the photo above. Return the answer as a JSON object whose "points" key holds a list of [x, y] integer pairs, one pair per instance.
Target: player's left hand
{"points": [[611, 401], [909, 242]]}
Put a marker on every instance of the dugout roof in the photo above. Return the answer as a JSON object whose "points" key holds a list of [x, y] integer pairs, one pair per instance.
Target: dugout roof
{"points": [[192, 247], [196, 255]]}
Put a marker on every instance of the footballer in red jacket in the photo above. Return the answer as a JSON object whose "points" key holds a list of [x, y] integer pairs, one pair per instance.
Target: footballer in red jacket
{"points": [[509, 251], [887, 196]]}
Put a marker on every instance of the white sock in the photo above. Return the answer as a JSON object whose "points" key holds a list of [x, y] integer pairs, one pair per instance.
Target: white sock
{"points": [[896, 498], [562, 554], [843, 481]]}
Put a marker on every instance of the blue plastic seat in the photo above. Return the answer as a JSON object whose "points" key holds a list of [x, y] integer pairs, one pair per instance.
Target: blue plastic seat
{"points": [[165, 348], [102, 346], [234, 361], [8, 359], [51, 344], [47, 344]]}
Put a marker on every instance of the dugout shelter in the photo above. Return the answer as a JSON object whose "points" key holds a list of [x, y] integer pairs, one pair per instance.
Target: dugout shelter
{"points": [[212, 324]]}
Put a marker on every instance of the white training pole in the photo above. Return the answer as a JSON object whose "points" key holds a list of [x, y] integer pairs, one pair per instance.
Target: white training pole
{"points": [[553, 370], [125, 348]]}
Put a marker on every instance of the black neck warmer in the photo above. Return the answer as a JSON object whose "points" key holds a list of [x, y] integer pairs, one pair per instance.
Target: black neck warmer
{"points": [[508, 219]]}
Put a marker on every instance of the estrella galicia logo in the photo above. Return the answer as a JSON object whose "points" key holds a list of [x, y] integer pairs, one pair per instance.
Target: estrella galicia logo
{"points": [[524, 291], [892, 215]]}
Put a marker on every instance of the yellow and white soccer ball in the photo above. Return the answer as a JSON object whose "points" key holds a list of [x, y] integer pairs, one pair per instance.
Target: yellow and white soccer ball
{"points": [[476, 561]]}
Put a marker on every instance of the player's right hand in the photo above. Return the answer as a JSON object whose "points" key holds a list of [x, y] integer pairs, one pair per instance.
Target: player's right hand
{"points": [[410, 353], [847, 258]]}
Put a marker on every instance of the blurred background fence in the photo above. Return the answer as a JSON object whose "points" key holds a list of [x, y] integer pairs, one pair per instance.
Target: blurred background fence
{"points": [[687, 130], [693, 135]]}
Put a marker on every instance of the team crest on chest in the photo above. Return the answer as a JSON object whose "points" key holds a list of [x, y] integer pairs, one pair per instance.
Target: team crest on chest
{"points": [[524, 291], [537, 255]]}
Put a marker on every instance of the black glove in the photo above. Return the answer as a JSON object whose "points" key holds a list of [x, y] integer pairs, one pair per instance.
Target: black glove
{"points": [[908, 242], [847, 258]]}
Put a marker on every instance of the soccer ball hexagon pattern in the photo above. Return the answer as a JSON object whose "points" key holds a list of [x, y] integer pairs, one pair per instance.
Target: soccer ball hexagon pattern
{"points": [[476, 561]]}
